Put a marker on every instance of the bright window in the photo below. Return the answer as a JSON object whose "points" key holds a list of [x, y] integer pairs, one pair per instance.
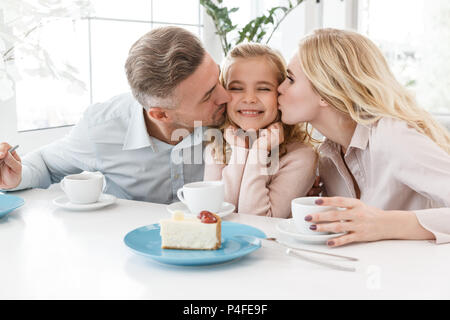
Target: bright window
{"points": [[97, 47], [414, 36], [333, 14]]}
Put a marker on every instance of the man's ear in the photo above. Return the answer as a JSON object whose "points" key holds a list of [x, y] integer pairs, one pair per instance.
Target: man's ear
{"points": [[158, 114]]}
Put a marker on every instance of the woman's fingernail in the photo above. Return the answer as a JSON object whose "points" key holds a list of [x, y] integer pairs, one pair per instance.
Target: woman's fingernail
{"points": [[330, 243], [319, 201], [313, 227], [308, 218]]}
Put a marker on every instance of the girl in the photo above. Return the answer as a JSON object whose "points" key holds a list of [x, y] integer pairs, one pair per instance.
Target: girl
{"points": [[263, 170], [385, 157]]}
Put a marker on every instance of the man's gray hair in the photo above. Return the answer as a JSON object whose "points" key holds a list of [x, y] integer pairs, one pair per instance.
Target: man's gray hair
{"points": [[159, 61]]}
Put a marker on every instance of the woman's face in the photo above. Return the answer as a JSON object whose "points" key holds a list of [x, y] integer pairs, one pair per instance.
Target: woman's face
{"points": [[297, 101], [252, 83]]}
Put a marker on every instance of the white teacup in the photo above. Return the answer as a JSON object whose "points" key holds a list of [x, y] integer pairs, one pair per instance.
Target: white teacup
{"points": [[301, 207], [203, 195], [83, 188]]}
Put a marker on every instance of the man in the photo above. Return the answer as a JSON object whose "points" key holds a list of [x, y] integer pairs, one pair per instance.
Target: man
{"points": [[137, 141]]}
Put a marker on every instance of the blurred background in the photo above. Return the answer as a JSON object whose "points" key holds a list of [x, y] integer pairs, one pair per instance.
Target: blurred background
{"points": [[60, 56]]}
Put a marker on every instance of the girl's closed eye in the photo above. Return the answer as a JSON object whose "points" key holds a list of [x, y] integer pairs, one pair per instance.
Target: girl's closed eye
{"points": [[264, 89], [291, 80]]}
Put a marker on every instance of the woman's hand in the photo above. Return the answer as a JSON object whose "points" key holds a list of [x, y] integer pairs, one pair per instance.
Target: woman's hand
{"points": [[360, 221], [271, 137], [365, 223]]}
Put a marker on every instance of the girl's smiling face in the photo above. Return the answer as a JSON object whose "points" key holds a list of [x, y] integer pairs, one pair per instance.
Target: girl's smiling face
{"points": [[252, 83]]}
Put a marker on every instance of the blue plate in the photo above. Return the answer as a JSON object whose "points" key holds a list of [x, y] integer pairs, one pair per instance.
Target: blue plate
{"points": [[147, 241], [8, 203]]}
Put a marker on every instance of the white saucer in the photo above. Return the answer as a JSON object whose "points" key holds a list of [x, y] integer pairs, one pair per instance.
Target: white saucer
{"points": [[287, 227], [227, 208], [103, 201]]}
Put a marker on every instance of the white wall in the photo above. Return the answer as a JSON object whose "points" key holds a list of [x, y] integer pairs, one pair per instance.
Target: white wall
{"points": [[291, 30], [210, 39], [303, 19]]}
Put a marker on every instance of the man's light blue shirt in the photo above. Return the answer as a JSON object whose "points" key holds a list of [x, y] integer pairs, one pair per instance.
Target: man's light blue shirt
{"points": [[112, 138]]}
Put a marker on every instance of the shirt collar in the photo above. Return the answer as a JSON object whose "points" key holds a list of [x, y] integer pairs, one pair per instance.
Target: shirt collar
{"points": [[360, 140], [137, 136], [360, 137]]}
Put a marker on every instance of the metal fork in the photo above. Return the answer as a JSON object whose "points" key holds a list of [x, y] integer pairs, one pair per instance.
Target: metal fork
{"points": [[294, 253], [10, 150], [311, 251]]}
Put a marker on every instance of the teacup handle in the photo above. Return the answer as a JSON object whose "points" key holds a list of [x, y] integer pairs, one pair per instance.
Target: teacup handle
{"points": [[104, 180], [180, 195], [104, 184], [63, 185]]}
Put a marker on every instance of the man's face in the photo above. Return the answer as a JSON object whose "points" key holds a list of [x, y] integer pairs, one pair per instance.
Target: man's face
{"points": [[201, 97]]}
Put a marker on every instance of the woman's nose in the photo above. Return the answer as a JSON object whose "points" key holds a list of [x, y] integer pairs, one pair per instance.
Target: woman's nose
{"points": [[280, 88]]}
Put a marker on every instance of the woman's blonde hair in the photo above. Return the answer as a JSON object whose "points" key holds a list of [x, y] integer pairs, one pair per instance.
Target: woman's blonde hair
{"points": [[349, 72], [298, 132]]}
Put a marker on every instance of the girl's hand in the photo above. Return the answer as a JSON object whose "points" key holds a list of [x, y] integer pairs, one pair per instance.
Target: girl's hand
{"points": [[236, 137], [317, 189], [271, 137], [360, 221]]}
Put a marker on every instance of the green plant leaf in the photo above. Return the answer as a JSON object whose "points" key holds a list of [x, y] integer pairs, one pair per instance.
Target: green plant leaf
{"points": [[255, 30]]}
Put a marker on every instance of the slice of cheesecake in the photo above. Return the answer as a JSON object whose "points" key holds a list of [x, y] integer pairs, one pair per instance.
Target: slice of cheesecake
{"points": [[197, 233]]}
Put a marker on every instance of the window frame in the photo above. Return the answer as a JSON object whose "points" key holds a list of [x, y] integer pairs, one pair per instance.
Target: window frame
{"points": [[151, 21]]}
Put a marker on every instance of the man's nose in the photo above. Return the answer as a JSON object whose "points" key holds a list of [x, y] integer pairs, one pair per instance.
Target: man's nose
{"points": [[223, 95]]}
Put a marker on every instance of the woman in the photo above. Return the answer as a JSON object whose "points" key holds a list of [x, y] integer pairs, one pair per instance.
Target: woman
{"points": [[385, 157]]}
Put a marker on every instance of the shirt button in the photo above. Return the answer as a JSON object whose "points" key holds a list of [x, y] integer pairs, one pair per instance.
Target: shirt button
{"points": [[176, 176]]}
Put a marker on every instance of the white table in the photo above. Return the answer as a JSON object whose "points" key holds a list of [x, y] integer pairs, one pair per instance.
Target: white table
{"points": [[50, 253]]}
